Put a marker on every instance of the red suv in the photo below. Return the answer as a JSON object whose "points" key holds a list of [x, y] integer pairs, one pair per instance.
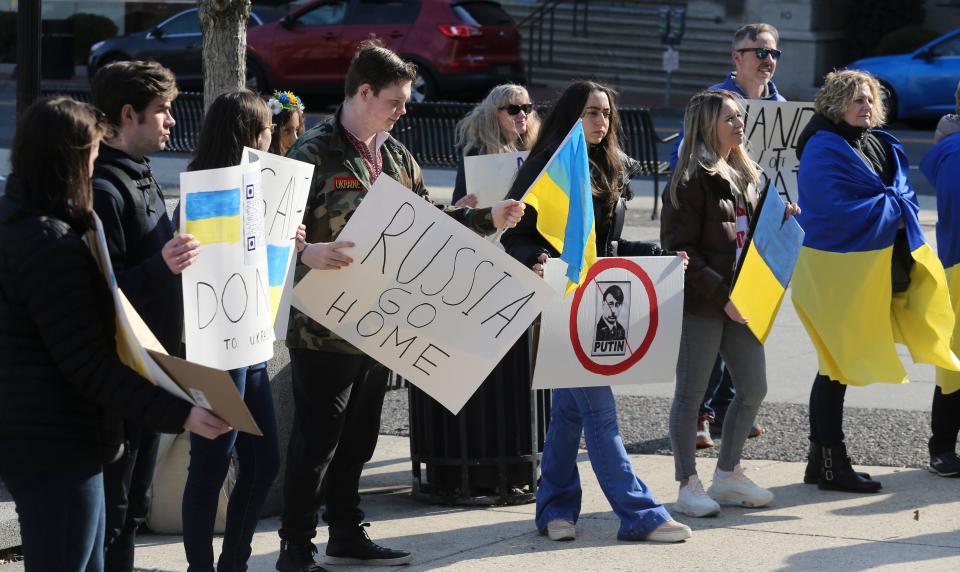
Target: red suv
{"points": [[460, 47]]}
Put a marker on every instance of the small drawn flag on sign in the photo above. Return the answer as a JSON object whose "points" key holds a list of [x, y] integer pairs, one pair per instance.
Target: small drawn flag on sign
{"points": [[214, 216]]}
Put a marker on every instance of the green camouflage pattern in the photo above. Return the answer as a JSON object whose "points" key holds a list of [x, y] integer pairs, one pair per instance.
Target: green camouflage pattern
{"points": [[340, 182]]}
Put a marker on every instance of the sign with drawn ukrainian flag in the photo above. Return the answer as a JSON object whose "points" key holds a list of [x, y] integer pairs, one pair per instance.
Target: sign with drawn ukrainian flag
{"points": [[228, 321], [285, 184], [766, 265]]}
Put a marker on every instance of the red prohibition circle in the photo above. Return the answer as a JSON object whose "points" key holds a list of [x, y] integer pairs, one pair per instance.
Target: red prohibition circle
{"points": [[613, 369]]}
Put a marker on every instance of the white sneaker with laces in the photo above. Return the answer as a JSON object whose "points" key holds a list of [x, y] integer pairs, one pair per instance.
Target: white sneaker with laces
{"points": [[670, 531], [739, 490], [560, 529], [692, 501]]}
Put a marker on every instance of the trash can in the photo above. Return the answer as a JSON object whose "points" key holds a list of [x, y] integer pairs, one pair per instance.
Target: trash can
{"points": [[489, 453], [56, 49]]}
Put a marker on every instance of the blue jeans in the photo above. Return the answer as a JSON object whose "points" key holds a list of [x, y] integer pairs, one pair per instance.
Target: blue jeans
{"points": [[209, 460], [720, 393], [593, 411], [62, 517]]}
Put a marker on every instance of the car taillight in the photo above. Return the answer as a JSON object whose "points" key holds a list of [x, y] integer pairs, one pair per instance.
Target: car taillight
{"points": [[458, 30]]}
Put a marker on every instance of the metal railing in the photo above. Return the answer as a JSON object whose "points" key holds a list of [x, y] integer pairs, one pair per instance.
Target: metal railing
{"points": [[544, 16]]}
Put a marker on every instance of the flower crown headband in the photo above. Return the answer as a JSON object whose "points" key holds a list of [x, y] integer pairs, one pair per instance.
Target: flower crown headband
{"points": [[284, 100]]}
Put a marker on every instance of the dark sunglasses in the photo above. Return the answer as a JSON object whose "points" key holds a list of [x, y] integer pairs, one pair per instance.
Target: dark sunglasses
{"points": [[763, 52], [514, 109]]}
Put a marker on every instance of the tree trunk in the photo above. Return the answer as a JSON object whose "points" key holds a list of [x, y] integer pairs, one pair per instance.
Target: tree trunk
{"points": [[224, 25]]}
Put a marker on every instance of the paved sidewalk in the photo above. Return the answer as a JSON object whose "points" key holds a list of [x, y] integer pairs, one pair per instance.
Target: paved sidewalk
{"points": [[914, 523]]}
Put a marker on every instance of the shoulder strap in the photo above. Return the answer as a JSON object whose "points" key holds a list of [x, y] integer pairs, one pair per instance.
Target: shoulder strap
{"points": [[133, 190]]}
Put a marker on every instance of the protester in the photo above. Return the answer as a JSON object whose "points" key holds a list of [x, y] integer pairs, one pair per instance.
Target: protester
{"points": [[712, 196], [755, 57], [336, 398], [941, 166], [287, 110], [147, 260], [504, 122], [234, 120], [592, 410], [864, 277], [63, 391]]}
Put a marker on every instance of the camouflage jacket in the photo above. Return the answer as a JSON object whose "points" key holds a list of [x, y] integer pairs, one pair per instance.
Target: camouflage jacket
{"points": [[340, 182]]}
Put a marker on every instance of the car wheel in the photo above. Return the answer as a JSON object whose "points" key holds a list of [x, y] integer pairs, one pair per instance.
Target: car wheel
{"points": [[889, 99], [256, 80], [423, 88]]}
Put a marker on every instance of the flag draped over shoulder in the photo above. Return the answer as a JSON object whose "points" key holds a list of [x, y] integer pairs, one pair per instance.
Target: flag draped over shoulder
{"points": [[842, 287], [941, 166], [562, 197]]}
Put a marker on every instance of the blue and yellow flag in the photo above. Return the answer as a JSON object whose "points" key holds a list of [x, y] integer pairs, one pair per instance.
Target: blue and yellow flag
{"points": [[941, 166], [214, 216], [842, 287], [563, 199]]}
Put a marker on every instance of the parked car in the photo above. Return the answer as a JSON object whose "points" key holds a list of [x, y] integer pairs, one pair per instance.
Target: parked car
{"points": [[460, 47], [921, 84], [177, 43]]}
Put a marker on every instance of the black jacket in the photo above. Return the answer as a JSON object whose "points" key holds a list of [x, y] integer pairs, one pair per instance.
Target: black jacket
{"points": [[63, 389], [524, 243], [136, 228]]}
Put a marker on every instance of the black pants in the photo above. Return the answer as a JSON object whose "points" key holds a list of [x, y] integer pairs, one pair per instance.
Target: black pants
{"points": [[944, 421], [126, 487], [337, 404], [826, 411]]}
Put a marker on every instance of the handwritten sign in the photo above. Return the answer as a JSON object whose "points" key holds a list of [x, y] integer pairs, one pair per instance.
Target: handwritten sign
{"points": [[425, 296], [489, 177], [772, 129], [227, 313], [286, 185], [620, 327]]}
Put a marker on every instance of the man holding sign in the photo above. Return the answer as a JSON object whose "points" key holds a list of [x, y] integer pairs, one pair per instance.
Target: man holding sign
{"points": [[338, 396]]}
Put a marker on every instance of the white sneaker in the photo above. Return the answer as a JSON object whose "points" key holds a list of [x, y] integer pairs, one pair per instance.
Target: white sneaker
{"points": [[692, 501], [738, 489], [670, 531], [560, 529]]}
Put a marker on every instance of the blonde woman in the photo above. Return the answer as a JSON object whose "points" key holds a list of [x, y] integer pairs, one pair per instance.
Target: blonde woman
{"points": [[712, 196], [504, 122]]}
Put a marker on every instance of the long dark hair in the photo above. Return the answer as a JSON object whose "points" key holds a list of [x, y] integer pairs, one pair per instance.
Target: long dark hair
{"points": [[607, 170], [280, 121], [234, 121], [51, 158]]}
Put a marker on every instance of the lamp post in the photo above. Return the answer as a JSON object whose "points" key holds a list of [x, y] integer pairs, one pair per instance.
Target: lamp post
{"points": [[28, 54]]}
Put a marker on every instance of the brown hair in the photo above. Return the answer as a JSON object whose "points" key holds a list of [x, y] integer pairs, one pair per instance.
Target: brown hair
{"points": [[377, 66], [279, 121], [839, 90], [133, 83], [50, 157], [234, 121], [752, 31]]}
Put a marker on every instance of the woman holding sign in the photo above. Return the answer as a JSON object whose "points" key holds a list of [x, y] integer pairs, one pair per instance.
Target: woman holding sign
{"points": [[63, 390], [590, 411], [504, 122], [235, 120], [712, 197]]}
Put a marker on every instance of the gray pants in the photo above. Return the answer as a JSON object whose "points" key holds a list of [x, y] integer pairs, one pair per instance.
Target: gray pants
{"points": [[700, 340]]}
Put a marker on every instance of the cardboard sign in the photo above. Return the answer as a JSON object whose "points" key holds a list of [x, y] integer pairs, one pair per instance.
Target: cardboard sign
{"points": [[425, 296], [620, 327], [771, 129], [140, 350], [489, 177], [227, 312], [285, 184]]}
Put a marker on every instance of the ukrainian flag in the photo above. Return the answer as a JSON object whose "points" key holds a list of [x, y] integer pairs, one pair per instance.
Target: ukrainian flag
{"points": [[767, 265], [214, 216], [941, 166], [842, 282], [278, 260], [563, 199]]}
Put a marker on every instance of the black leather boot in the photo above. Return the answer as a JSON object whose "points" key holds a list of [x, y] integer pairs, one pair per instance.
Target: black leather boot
{"points": [[811, 475], [837, 474]]}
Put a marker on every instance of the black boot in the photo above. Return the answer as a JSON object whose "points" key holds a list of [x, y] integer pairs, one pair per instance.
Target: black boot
{"points": [[811, 475], [297, 557], [351, 545], [837, 474]]}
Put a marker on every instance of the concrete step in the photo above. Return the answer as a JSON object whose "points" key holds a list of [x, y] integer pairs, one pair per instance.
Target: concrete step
{"points": [[9, 526]]}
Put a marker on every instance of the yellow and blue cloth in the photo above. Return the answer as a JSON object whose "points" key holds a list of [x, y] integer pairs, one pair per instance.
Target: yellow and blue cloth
{"points": [[842, 286], [563, 199], [941, 166]]}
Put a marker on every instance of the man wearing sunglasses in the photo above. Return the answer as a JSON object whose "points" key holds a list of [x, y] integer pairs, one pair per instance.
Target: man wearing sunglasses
{"points": [[755, 56]]}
